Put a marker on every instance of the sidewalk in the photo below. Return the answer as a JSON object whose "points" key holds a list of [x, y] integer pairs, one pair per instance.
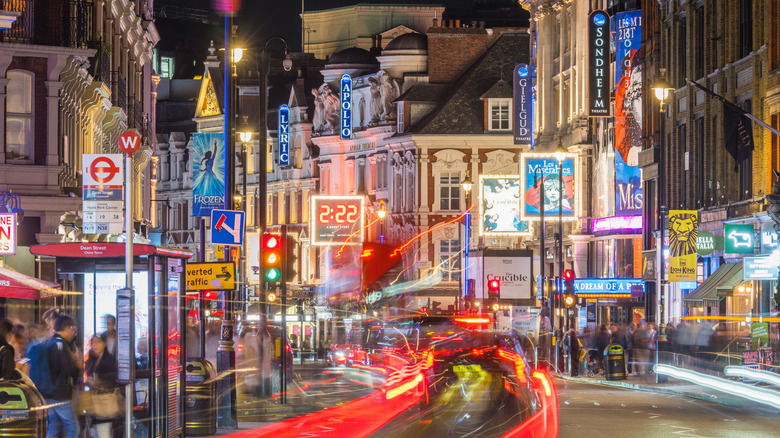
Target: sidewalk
{"points": [[673, 387]]}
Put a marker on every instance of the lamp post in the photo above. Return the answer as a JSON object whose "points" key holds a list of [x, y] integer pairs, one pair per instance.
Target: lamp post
{"points": [[382, 213], [560, 152], [661, 89], [467, 184], [537, 180]]}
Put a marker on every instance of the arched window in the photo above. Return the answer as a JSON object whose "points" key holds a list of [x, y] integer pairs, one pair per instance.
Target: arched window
{"points": [[19, 116]]}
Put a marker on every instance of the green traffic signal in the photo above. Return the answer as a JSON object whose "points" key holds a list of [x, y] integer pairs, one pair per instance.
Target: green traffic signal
{"points": [[272, 274]]}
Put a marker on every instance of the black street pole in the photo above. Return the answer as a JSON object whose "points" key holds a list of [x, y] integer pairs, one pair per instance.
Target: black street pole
{"points": [[542, 254], [283, 284], [662, 287]]}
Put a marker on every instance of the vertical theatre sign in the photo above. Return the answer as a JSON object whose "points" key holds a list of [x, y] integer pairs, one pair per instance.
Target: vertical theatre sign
{"points": [[284, 136], [598, 55], [523, 104], [209, 168], [346, 107], [628, 113], [683, 230]]}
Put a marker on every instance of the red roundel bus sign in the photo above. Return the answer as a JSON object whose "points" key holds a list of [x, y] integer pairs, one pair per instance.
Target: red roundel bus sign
{"points": [[129, 142], [103, 170]]}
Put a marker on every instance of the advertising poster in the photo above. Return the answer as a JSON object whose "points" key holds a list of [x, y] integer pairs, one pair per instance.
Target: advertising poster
{"points": [[628, 113], [683, 228], [514, 273], [500, 206], [523, 95], [209, 168], [547, 190]]}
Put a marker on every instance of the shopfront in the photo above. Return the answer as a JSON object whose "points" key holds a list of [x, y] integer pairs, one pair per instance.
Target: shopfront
{"points": [[612, 300], [96, 271]]}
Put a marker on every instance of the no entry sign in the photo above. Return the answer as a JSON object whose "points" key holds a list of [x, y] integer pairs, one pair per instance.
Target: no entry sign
{"points": [[129, 142]]}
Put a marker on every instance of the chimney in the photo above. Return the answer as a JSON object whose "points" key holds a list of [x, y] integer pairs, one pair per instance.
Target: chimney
{"points": [[457, 23]]}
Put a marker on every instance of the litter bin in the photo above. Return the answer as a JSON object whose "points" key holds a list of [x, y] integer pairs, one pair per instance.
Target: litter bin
{"points": [[200, 397], [614, 362], [19, 413]]}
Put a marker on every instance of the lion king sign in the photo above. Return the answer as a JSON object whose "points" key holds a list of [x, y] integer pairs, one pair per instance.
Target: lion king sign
{"points": [[683, 228]]}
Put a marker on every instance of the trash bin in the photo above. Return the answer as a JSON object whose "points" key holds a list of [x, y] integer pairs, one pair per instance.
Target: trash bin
{"points": [[614, 362], [18, 413], [200, 397]]}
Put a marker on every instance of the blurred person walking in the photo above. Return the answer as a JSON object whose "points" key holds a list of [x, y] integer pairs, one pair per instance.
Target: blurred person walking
{"points": [[64, 371], [602, 341], [109, 336], [100, 397], [641, 350], [630, 348], [7, 354]]}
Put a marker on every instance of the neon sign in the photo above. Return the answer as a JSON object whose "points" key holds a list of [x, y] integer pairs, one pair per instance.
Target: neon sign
{"points": [[284, 136], [618, 223], [346, 107]]}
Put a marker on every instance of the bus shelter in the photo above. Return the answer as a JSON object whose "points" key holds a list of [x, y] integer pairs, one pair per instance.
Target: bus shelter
{"points": [[97, 272]]}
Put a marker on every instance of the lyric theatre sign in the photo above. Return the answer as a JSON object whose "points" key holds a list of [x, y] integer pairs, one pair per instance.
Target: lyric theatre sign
{"points": [[598, 55]]}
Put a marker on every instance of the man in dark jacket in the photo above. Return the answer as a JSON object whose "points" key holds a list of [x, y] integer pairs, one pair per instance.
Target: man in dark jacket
{"points": [[65, 371]]}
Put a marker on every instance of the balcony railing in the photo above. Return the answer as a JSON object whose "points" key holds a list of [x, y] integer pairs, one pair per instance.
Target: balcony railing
{"points": [[100, 64], [119, 90], [50, 22]]}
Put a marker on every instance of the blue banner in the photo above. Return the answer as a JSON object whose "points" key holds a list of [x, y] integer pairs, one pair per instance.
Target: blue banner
{"points": [[628, 113], [523, 94], [209, 169], [548, 187], [284, 136], [346, 107]]}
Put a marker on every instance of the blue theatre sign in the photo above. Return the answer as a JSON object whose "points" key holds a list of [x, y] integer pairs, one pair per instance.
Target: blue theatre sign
{"points": [[284, 136], [609, 287], [346, 107]]}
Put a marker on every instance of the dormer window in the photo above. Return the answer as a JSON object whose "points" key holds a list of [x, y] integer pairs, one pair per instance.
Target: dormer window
{"points": [[499, 114]]}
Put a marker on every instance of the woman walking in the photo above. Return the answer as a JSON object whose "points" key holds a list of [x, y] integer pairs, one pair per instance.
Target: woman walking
{"points": [[101, 384]]}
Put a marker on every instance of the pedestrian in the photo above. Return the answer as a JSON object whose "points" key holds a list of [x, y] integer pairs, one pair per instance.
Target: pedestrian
{"points": [[7, 354], [49, 318], [630, 347], [65, 371], [602, 342], [109, 336], [641, 350], [101, 372], [574, 347], [20, 350]]}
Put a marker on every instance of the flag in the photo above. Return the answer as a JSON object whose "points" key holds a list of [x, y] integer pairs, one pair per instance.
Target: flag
{"points": [[737, 129]]}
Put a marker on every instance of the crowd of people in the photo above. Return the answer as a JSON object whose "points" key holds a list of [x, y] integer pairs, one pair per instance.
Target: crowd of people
{"points": [[80, 392]]}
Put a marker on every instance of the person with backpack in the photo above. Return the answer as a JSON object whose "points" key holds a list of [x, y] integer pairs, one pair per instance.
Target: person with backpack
{"points": [[54, 368], [7, 353]]}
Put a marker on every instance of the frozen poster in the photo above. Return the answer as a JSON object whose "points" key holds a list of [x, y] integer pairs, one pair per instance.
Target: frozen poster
{"points": [[500, 205], [628, 113], [544, 171], [209, 168]]}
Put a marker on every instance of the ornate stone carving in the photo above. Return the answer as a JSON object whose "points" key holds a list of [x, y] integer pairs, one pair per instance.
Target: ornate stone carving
{"points": [[210, 103], [326, 109], [384, 90]]}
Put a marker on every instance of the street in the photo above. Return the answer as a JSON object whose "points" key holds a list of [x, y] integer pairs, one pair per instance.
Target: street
{"points": [[607, 411]]}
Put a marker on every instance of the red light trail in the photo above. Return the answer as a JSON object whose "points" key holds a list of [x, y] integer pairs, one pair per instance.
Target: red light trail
{"points": [[338, 253], [429, 230]]}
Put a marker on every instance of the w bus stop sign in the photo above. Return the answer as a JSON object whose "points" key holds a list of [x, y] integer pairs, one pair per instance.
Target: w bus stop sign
{"points": [[129, 142]]}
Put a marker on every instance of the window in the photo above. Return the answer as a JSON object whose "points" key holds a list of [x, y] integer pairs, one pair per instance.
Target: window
{"points": [[499, 115], [683, 52], [305, 206], [400, 117], [269, 213], [449, 188], [700, 42], [449, 259], [166, 67], [745, 27], [702, 181], [19, 117]]}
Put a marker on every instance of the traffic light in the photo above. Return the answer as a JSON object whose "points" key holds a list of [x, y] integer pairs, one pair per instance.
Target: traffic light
{"points": [[494, 288], [272, 258], [568, 288], [423, 309]]}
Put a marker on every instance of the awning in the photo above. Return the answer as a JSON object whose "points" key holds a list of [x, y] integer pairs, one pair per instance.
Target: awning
{"points": [[706, 295], [726, 288], [20, 286]]}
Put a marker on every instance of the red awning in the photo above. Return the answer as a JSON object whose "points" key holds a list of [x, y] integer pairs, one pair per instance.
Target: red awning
{"points": [[20, 286]]}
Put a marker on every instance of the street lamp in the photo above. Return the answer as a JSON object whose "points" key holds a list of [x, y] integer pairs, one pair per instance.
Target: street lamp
{"points": [[467, 184], [382, 212], [537, 180], [560, 152], [661, 89]]}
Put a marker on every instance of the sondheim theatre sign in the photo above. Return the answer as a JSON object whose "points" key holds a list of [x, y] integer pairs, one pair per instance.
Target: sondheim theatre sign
{"points": [[598, 55]]}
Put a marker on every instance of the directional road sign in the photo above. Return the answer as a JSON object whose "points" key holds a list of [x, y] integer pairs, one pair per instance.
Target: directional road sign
{"points": [[210, 276], [227, 227]]}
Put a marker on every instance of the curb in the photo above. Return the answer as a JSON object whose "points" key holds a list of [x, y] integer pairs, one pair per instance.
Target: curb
{"points": [[726, 401]]}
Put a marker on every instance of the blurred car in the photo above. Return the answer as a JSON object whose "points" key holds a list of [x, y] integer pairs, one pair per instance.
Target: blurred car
{"points": [[336, 355], [250, 345]]}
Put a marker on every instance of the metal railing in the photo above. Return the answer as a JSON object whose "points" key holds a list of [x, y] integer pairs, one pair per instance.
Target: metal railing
{"points": [[66, 23], [100, 64], [119, 90]]}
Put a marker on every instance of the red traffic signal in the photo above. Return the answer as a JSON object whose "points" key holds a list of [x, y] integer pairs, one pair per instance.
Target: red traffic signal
{"points": [[423, 309], [568, 274], [272, 257]]}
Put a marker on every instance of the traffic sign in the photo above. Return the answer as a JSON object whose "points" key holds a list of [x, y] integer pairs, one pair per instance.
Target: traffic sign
{"points": [[129, 142], [102, 201], [227, 227], [208, 276]]}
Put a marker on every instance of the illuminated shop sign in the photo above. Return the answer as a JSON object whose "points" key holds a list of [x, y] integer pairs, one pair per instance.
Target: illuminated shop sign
{"points": [[760, 268], [284, 136], [632, 224], [609, 287], [346, 107], [739, 238], [523, 104], [598, 52]]}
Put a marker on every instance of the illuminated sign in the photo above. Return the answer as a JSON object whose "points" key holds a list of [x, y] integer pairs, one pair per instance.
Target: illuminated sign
{"points": [[598, 52], [609, 287], [499, 209], [209, 276], [707, 243], [739, 238], [760, 268], [209, 170], [683, 229], [346, 107], [547, 191], [337, 220], [522, 87], [7, 233], [284, 136], [631, 224]]}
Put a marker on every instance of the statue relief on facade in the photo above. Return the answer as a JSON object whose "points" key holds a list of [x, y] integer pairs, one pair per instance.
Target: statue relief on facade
{"points": [[210, 103], [326, 109], [384, 90]]}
